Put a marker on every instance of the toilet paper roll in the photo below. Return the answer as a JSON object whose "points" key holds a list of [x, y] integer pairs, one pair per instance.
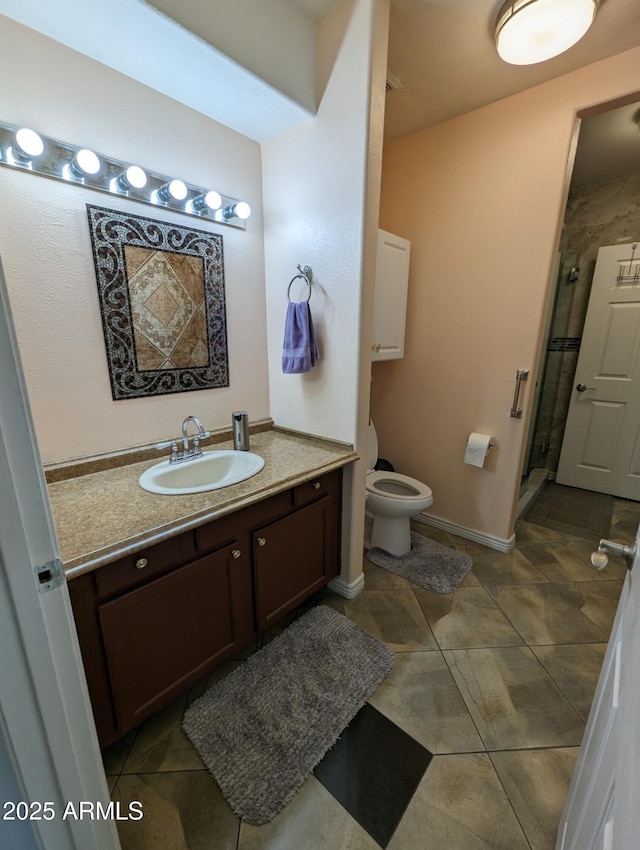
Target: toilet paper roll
{"points": [[478, 446]]}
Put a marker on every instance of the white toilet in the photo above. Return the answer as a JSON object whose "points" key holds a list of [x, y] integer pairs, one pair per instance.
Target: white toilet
{"points": [[391, 500]]}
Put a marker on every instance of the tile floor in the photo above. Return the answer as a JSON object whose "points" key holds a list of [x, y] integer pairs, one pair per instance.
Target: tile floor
{"points": [[495, 680]]}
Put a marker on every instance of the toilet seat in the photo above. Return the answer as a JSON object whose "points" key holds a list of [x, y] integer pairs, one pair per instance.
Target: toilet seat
{"points": [[394, 485]]}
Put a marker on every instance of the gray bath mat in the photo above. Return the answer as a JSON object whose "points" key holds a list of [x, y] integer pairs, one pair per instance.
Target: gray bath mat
{"points": [[263, 729], [429, 564]]}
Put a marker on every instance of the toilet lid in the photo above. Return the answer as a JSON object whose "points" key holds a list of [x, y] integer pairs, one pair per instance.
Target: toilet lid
{"points": [[372, 447]]}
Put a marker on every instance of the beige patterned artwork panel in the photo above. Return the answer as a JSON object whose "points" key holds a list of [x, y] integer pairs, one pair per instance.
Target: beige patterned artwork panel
{"points": [[167, 300]]}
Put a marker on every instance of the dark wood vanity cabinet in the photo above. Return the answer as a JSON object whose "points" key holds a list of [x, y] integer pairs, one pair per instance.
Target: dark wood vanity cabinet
{"points": [[153, 623]]}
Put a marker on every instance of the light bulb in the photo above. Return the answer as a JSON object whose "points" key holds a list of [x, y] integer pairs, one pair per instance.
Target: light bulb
{"points": [[84, 163], [132, 178], [27, 144], [175, 189], [239, 210], [206, 201]]}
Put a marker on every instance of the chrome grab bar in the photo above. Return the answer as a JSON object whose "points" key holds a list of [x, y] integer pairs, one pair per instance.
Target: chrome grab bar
{"points": [[521, 375]]}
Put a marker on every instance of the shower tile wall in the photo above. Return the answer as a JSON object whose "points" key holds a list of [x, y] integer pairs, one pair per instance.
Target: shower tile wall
{"points": [[604, 212]]}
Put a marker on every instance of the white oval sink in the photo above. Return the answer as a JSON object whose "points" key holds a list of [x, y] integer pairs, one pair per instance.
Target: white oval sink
{"points": [[215, 469]]}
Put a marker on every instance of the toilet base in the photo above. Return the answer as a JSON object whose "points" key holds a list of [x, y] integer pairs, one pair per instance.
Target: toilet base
{"points": [[393, 534]]}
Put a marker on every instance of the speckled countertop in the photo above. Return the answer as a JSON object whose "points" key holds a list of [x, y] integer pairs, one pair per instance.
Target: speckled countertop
{"points": [[105, 515]]}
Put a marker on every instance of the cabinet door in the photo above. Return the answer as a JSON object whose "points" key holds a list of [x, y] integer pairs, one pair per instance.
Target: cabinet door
{"points": [[293, 557], [390, 304], [163, 636]]}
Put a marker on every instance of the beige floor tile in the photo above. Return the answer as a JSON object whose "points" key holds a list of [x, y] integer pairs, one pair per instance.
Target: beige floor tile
{"points": [[492, 567], [528, 531], [114, 757], [377, 578], [537, 782], [466, 618], [542, 614], [421, 696], [393, 617], [182, 811], [513, 700], [575, 669], [617, 567], [313, 820], [459, 805], [598, 600], [562, 562], [161, 745]]}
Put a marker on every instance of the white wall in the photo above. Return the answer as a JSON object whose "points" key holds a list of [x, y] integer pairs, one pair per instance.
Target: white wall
{"points": [[46, 249], [319, 182], [273, 39]]}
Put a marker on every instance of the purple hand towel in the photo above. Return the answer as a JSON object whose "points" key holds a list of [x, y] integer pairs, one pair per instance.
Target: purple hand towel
{"points": [[300, 350]]}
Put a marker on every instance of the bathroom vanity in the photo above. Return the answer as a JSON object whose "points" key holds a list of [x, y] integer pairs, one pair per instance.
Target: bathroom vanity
{"points": [[187, 596]]}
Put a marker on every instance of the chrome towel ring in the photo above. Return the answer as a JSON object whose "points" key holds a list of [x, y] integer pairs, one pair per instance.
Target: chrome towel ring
{"points": [[306, 274]]}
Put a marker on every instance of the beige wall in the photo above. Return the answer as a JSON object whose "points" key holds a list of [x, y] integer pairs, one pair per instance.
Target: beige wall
{"points": [[481, 198], [46, 250]]}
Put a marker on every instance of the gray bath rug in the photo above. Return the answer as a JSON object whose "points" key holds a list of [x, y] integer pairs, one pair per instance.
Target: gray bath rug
{"points": [[263, 729], [429, 564]]}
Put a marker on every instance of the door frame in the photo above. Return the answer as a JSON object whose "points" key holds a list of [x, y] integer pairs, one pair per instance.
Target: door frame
{"points": [[44, 704]]}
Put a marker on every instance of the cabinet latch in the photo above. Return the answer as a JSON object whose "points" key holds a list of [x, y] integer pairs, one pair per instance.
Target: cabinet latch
{"points": [[49, 575]]}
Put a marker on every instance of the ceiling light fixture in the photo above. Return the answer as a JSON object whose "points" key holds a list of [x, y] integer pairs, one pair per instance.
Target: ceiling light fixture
{"points": [[530, 31]]}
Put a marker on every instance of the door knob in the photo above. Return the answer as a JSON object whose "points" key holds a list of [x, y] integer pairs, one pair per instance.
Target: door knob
{"points": [[582, 388], [600, 559]]}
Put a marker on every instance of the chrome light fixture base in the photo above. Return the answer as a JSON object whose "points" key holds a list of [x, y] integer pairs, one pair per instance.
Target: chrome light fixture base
{"points": [[59, 160]]}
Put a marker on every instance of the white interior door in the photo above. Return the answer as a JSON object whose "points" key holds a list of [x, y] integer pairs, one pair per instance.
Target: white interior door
{"points": [[601, 444], [49, 753], [602, 811]]}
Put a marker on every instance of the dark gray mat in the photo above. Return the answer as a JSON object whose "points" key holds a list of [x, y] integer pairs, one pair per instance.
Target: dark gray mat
{"points": [[263, 729], [570, 510], [429, 564]]}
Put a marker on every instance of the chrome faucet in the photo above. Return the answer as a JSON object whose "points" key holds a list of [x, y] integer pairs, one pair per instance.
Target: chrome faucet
{"points": [[188, 452]]}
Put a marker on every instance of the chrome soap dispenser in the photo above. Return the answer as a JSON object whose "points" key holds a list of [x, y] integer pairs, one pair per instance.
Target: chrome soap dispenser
{"points": [[240, 424]]}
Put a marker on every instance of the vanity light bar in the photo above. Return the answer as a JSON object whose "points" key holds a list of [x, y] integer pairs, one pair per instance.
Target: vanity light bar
{"points": [[26, 150]]}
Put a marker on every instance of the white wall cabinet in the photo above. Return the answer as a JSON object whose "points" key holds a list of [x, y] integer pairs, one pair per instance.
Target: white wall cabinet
{"points": [[390, 306]]}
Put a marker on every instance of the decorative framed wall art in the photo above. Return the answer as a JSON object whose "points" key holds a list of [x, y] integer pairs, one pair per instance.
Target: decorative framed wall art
{"points": [[162, 298]]}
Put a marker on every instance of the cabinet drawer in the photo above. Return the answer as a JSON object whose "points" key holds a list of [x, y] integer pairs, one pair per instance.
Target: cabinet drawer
{"points": [[221, 531], [311, 491], [144, 565]]}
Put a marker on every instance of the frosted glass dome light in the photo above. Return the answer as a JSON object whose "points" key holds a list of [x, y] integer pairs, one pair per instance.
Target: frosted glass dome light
{"points": [[531, 31]]}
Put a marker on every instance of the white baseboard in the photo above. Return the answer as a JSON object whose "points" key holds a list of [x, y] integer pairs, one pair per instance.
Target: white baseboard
{"points": [[343, 588], [499, 543]]}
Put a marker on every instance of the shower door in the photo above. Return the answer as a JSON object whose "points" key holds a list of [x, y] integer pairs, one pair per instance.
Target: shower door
{"points": [[601, 444]]}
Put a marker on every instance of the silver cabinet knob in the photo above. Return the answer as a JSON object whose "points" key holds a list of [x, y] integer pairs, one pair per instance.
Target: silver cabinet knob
{"points": [[262, 541], [235, 553], [141, 563], [317, 485]]}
